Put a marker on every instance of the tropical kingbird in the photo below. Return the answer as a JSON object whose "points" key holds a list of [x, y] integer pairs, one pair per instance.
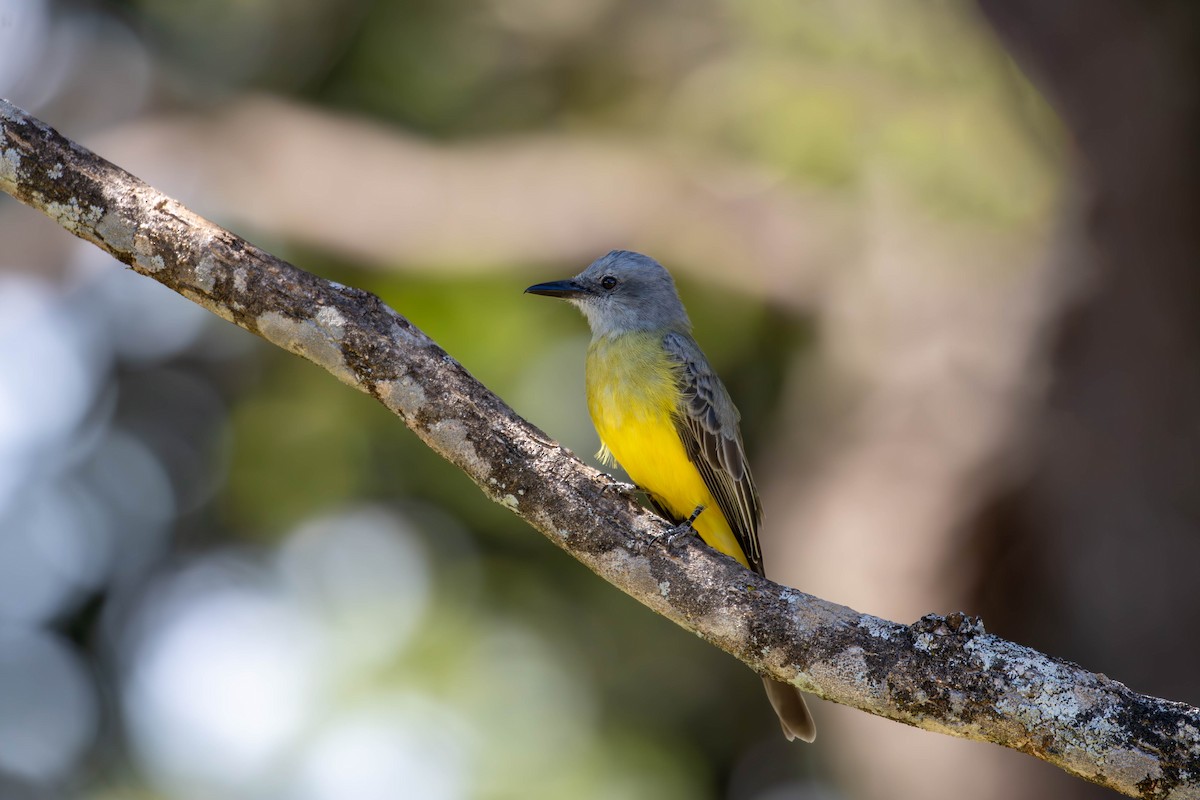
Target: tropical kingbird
{"points": [[666, 418]]}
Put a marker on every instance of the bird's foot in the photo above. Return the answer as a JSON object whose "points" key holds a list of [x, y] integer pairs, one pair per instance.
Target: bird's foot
{"points": [[670, 536], [675, 533], [683, 529]]}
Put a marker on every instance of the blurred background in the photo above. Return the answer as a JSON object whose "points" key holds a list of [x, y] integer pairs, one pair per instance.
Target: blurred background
{"points": [[958, 310]]}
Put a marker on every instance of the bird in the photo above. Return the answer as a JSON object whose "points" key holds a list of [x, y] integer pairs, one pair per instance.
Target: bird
{"points": [[665, 417]]}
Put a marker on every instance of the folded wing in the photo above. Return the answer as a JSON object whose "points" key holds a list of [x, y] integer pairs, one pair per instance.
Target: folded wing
{"points": [[707, 422]]}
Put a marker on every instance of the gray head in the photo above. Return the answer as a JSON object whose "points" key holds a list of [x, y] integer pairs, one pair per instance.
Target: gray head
{"points": [[622, 292]]}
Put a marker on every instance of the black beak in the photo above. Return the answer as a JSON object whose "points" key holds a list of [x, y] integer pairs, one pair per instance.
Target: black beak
{"points": [[564, 289]]}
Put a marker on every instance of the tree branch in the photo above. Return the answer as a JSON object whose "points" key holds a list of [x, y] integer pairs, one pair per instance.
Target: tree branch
{"points": [[943, 674]]}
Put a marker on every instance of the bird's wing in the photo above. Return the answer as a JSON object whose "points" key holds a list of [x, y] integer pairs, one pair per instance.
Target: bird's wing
{"points": [[707, 422]]}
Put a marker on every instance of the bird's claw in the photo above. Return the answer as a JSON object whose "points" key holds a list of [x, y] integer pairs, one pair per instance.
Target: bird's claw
{"points": [[675, 533], [684, 528]]}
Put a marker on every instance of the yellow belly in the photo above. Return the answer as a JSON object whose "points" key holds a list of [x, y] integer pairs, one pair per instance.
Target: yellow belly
{"points": [[632, 396]]}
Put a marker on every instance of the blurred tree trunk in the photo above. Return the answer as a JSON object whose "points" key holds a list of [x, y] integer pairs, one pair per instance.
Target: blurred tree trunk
{"points": [[1105, 523]]}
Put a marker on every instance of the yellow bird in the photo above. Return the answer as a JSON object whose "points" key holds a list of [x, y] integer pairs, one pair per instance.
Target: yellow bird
{"points": [[666, 418]]}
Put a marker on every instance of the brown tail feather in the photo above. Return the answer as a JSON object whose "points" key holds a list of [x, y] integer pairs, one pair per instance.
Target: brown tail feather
{"points": [[789, 705]]}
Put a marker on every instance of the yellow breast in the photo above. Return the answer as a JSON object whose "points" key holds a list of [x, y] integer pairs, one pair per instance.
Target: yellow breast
{"points": [[633, 396]]}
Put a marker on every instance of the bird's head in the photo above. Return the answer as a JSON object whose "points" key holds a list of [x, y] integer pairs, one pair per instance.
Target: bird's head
{"points": [[622, 292]]}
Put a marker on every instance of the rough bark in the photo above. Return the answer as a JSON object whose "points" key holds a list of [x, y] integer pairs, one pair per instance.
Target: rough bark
{"points": [[943, 674]]}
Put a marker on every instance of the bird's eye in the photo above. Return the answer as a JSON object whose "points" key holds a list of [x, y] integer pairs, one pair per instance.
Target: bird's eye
{"points": [[608, 282]]}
